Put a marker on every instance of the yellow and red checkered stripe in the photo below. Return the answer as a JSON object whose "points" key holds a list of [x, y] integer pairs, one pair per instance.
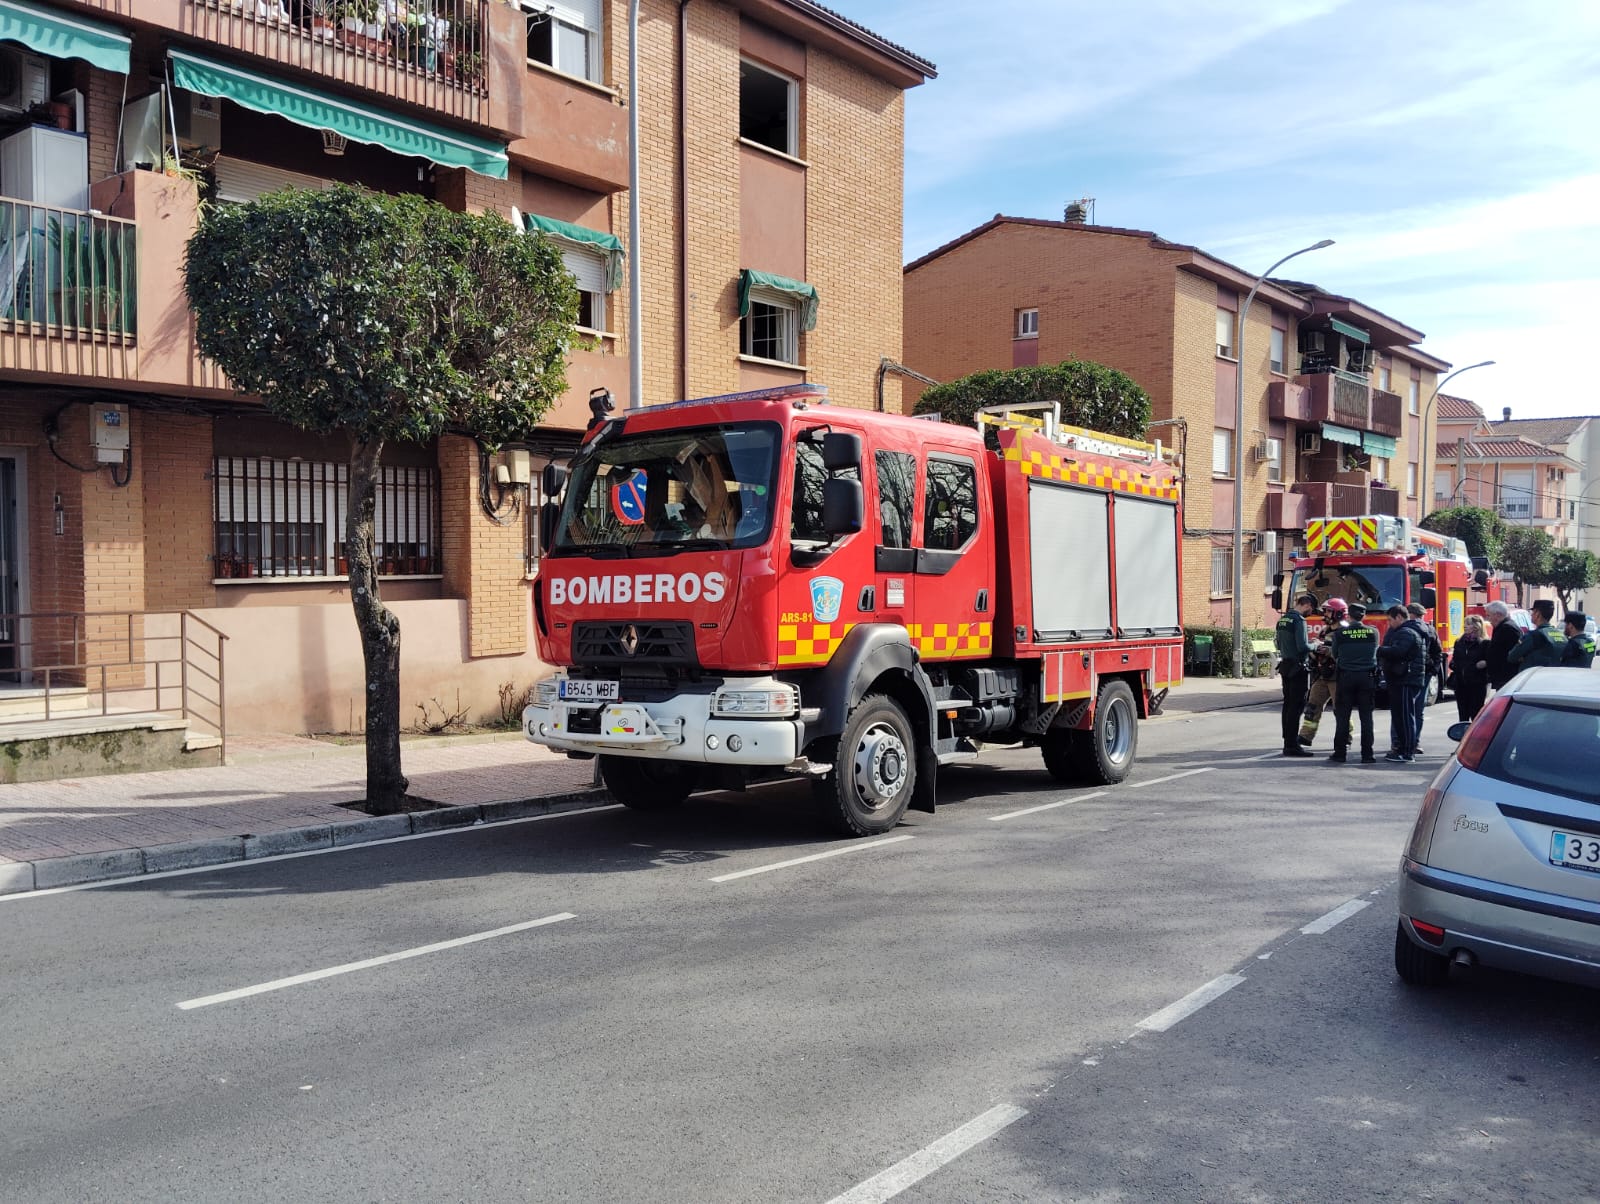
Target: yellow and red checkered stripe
{"points": [[809, 643], [952, 639], [1341, 534], [1048, 466]]}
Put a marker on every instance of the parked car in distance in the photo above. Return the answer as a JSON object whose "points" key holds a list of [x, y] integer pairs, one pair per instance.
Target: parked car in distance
{"points": [[1503, 865]]}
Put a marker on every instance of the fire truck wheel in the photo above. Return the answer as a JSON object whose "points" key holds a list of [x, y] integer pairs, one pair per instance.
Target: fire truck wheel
{"points": [[1062, 750], [647, 785], [874, 770], [1115, 737]]}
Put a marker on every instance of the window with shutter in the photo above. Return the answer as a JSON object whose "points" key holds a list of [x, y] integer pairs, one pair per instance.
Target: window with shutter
{"points": [[588, 268], [240, 181]]}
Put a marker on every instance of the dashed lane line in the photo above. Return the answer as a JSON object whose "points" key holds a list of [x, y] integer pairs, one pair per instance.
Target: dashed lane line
{"points": [[1338, 915], [885, 1185], [1160, 1022], [296, 980], [1171, 777], [1077, 798], [783, 865]]}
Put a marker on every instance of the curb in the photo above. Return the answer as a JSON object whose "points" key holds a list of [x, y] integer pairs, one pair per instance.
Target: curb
{"points": [[23, 877]]}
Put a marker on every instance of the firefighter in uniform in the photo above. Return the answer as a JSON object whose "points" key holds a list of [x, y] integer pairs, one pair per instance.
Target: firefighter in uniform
{"points": [[1580, 646], [1544, 645], [1293, 648], [1324, 672], [1355, 652]]}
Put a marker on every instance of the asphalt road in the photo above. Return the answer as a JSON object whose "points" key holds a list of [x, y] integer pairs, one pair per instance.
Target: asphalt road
{"points": [[951, 1017]]}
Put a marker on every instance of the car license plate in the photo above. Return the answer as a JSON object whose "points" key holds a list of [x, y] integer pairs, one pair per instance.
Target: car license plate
{"points": [[1578, 852], [583, 689]]}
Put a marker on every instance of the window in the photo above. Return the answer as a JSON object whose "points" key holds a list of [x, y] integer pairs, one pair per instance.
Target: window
{"points": [[1027, 323], [1383, 377], [1441, 483], [1276, 353], [565, 35], [1411, 479], [1411, 396], [588, 270], [1379, 469], [1274, 459], [897, 497], [1274, 565], [285, 518], [1221, 452], [770, 331], [1516, 493], [1547, 747], [1222, 572], [810, 479], [950, 510], [1225, 332], [768, 108]]}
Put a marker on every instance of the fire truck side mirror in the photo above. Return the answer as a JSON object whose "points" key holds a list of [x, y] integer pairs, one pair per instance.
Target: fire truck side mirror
{"points": [[554, 477], [841, 451], [843, 506], [1426, 578], [549, 513], [1430, 597], [1481, 579], [1277, 597]]}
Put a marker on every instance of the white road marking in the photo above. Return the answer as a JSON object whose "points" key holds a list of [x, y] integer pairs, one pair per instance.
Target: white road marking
{"points": [[1080, 798], [1160, 1022], [279, 984], [890, 1183], [1338, 915], [341, 848], [783, 865], [1171, 777], [1265, 757]]}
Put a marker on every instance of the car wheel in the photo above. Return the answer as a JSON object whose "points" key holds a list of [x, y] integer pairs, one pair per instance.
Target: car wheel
{"points": [[874, 770], [1417, 966], [1113, 742], [645, 784]]}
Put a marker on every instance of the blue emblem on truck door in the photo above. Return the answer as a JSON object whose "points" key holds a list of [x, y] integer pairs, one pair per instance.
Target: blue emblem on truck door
{"points": [[827, 595]]}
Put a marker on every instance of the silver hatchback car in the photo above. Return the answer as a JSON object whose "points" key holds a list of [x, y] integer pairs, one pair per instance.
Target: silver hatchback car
{"points": [[1503, 867]]}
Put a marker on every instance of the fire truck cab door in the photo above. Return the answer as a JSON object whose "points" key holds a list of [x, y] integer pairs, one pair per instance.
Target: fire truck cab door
{"points": [[897, 477], [954, 580]]}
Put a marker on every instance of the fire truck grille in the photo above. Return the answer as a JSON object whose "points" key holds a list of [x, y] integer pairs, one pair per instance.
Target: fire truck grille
{"points": [[645, 645]]}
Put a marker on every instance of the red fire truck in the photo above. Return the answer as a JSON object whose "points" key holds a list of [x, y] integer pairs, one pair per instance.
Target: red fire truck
{"points": [[763, 584], [1379, 561]]}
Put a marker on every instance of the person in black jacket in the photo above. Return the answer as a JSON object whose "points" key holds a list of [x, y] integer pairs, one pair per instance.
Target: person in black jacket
{"points": [[1502, 640], [1293, 648], [1405, 657], [1418, 618], [1466, 664]]}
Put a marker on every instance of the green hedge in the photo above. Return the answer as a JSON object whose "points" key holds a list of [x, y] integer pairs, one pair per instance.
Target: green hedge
{"points": [[1222, 647]]}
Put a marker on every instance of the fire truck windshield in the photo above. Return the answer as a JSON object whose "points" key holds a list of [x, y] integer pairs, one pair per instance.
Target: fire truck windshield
{"points": [[663, 492], [1375, 586]]}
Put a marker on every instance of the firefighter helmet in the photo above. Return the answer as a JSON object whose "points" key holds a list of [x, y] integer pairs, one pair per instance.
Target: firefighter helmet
{"points": [[1335, 606]]}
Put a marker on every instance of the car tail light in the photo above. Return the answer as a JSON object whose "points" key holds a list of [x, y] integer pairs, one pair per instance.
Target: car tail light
{"points": [[1431, 933], [1422, 830], [1482, 732]]}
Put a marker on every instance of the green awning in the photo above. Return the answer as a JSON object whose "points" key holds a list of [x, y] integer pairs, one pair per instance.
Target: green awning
{"points": [[60, 35], [1349, 331], [608, 245], [1341, 434], [1378, 445], [325, 111], [805, 294]]}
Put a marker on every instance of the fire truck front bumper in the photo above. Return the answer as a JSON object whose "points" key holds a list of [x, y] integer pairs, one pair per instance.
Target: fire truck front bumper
{"points": [[686, 727]]}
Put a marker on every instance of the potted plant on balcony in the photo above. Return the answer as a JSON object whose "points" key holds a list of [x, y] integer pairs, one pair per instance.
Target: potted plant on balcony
{"points": [[92, 263], [362, 26]]}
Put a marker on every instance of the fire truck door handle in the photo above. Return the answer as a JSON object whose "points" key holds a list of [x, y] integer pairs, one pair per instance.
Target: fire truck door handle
{"points": [[983, 601], [868, 599]]}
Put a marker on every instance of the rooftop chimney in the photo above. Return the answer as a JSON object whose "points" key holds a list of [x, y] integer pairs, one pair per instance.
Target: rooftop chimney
{"points": [[1507, 413], [1081, 211]]}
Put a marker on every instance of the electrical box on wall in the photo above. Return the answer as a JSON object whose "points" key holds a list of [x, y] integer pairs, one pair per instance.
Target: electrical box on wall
{"points": [[108, 432]]}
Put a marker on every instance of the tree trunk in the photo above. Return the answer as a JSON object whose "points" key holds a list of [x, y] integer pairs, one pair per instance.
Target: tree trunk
{"points": [[380, 637]]}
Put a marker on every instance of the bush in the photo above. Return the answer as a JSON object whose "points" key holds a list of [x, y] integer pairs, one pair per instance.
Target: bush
{"points": [[1222, 647], [1091, 395]]}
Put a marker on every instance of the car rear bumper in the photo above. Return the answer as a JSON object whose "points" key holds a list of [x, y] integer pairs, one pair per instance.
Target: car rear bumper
{"points": [[1531, 932]]}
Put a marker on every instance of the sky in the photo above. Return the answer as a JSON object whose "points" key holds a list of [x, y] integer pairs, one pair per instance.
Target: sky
{"points": [[1450, 149]]}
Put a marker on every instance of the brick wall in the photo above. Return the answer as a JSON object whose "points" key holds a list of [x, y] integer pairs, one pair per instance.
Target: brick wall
{"points": [[175, 458], [483, 561]]}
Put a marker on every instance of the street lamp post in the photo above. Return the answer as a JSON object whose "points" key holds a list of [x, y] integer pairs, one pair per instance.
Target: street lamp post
{"points": [[1238, 455], [635, 271], [1425, 451]]}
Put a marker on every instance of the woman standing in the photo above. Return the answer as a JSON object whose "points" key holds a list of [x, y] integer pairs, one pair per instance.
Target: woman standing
{"points": [[1471, 681]]}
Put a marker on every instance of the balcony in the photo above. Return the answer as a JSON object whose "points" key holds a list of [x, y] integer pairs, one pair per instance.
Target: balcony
{"points": [[69, 301], [1383, 500], [573, 131], [1288, 511], [1341, 398], [430, 53], [1326, 499]]}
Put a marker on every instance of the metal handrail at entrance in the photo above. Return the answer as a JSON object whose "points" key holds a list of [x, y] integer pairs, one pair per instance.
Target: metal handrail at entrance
{"points": [[147, 660]]}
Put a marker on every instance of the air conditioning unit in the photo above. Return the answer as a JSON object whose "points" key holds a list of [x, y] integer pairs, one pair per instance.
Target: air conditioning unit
{"points": [[1313, 341], [1261, 452], [24, 80], [1310, 442], [1266, 543]]}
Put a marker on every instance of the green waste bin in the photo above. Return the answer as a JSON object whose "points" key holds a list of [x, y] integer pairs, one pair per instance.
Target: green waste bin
{"points": [[1201, 663]]}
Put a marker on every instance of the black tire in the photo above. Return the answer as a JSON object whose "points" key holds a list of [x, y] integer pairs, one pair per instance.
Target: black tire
{"points": [[1417, 966], [874, 770], [646, 784], [1108, 754], [1062, 751]]}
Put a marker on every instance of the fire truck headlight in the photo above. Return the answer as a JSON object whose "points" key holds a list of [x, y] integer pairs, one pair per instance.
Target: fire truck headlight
{"points": [[779, 701], [544, 693], [713, 743]]}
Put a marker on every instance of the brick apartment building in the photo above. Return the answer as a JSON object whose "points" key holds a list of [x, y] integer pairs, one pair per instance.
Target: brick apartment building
{"points": [[1496, 465], [1335, 391], [150, 507]]}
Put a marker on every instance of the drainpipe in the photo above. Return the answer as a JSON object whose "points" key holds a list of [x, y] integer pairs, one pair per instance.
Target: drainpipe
{"points": [[683, 199], [886, 366]]}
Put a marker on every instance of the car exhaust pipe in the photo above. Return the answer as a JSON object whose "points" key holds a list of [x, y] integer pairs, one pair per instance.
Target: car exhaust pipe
{"points": [[1463, 957]]}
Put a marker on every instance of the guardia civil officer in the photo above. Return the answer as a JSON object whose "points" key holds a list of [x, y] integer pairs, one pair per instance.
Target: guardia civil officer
{"points": [[1293, 648], [1355, 651], [1544, 645], [1579, 653]]}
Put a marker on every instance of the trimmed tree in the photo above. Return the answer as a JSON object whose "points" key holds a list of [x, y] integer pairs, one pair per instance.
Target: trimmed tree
{"points": [[1481, 529], [384, 318], [1091, 395], [1526, 555], [1572, 571]]}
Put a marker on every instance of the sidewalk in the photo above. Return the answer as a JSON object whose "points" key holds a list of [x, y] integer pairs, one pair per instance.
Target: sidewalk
{"points": [[281, 794]]}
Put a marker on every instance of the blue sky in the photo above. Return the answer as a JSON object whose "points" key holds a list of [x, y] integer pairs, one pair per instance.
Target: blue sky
{"points": [[1451, 149]]}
